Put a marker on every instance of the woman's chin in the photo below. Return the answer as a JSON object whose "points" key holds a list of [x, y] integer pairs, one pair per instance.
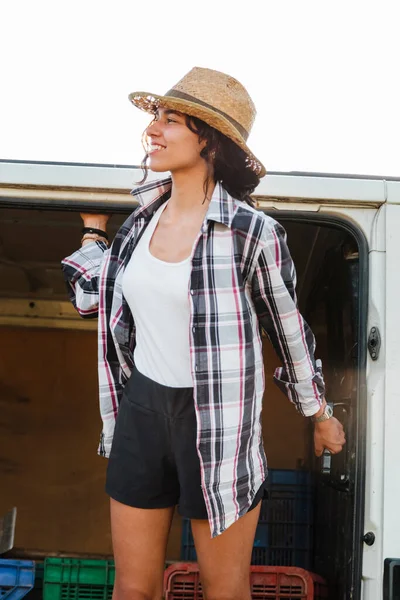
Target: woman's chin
{"points": [[158, 166], [158, 169]]}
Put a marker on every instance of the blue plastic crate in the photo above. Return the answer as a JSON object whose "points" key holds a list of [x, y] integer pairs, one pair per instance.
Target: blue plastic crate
{"points": [[285, 529], [17, 578]]}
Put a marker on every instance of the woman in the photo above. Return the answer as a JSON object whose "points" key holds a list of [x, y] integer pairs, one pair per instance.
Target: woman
{"points": [[181, 295]]}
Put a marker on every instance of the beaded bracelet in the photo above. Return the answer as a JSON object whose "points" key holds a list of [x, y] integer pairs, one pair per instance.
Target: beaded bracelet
{"points": [[93, 237], [99, 232]]}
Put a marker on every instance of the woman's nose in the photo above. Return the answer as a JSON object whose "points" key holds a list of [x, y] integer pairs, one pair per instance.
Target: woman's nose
{"points": [[153, 129]]}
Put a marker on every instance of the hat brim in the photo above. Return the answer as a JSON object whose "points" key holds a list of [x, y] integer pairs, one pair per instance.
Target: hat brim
{"points": [[151, 102]]}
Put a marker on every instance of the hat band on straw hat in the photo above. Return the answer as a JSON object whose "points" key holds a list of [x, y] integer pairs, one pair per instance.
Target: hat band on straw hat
{"points": [[183, 96]]}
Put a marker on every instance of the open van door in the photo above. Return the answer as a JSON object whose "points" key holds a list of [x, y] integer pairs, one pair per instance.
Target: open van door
{"points": [[357, 490]]}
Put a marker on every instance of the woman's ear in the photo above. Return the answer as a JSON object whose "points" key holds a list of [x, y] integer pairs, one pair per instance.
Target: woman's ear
{"points": [[206, 152]]}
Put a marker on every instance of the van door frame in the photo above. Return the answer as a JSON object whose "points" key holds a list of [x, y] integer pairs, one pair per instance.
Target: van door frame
{"points": [[320, 218], [282, 215]]}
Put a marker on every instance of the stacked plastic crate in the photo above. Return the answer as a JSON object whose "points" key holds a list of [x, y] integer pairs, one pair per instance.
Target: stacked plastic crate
{"points": [[284, 534], [182, 582], [74, 579], [17, 578]]}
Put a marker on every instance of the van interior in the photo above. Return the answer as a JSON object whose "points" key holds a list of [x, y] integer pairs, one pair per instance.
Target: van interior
{"points": [[49, 418]]}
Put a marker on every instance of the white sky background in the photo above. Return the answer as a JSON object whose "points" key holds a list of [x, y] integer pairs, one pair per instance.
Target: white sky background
{"points": [[324, 76]]}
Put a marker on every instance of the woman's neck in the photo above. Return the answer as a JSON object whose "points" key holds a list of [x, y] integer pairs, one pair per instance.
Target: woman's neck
{"points": [[188, 192]]}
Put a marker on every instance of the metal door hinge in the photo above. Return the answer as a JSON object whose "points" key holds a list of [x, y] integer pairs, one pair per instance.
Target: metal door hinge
{"points": [[374, 343]]}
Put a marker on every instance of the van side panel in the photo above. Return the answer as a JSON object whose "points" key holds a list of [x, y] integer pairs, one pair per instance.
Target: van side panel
{"points": [[391, 490]]}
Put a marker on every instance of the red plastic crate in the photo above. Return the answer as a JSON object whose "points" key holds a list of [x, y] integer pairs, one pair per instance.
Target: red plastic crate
{"points": [[182, 582]]}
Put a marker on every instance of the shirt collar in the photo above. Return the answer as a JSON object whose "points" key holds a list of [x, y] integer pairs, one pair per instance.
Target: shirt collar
{"points": [[151, 195]]}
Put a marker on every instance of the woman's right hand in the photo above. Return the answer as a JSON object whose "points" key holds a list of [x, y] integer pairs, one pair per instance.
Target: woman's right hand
{"points": [[97, 221]]}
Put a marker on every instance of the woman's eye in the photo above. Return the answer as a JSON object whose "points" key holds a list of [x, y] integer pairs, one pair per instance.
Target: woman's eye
{"points": [[169, 120]]}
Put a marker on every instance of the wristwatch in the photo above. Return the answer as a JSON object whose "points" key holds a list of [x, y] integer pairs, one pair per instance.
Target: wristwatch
{"points": [[327, 414]]}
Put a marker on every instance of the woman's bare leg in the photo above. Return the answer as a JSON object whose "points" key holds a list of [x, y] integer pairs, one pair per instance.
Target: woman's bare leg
{"points": [[139, 539], [224, 561]]}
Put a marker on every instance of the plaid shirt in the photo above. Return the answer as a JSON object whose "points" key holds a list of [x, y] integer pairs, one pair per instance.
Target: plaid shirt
{"points": [[242, 278]]}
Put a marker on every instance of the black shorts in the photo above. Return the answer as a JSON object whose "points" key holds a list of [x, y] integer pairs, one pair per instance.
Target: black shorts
{"points": [[153, 461]]}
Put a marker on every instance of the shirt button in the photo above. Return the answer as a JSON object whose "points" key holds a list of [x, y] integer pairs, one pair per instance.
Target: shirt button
{"points": [[193, 329]]}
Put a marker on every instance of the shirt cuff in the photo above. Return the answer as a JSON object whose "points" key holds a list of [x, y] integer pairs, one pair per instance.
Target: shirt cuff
{"points": [[306, 395]]}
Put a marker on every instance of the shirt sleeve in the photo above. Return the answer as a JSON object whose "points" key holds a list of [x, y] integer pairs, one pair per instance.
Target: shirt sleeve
{"points": [[274, 297], [81, 271]]}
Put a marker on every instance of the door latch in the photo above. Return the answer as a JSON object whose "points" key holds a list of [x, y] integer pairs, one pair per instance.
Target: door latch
{"points": [[374, 343]]}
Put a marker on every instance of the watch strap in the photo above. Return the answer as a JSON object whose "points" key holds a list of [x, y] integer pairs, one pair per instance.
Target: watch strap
{"points": [[327, 414]]}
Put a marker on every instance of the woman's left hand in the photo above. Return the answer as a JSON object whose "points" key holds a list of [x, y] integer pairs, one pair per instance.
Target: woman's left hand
{"points": [[329, 435]]}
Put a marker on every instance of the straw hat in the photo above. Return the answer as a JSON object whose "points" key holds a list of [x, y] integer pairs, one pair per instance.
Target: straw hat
{"points": [[214, 97]]}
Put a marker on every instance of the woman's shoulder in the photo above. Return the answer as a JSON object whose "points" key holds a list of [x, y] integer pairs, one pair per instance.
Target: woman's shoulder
{"points": [[255, 221]]}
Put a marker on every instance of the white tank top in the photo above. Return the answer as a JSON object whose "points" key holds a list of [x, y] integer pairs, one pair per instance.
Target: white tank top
{"points": [[157, 294]]}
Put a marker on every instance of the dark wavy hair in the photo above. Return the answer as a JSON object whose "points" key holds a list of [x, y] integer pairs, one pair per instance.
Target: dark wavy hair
{"points": [[226, 162]]}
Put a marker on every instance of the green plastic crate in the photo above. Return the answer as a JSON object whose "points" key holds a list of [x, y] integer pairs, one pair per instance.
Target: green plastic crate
{"points": [[75, 579]]}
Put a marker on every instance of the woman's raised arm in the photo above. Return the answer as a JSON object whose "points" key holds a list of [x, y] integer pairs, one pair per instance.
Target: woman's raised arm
{"points": [[82, 269]]}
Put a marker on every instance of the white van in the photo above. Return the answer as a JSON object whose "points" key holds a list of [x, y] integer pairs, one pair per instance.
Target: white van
{"points": [[344, 235]]}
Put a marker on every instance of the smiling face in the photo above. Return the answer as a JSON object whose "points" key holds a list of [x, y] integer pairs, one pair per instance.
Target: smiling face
{"points": [[171, 145]]}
